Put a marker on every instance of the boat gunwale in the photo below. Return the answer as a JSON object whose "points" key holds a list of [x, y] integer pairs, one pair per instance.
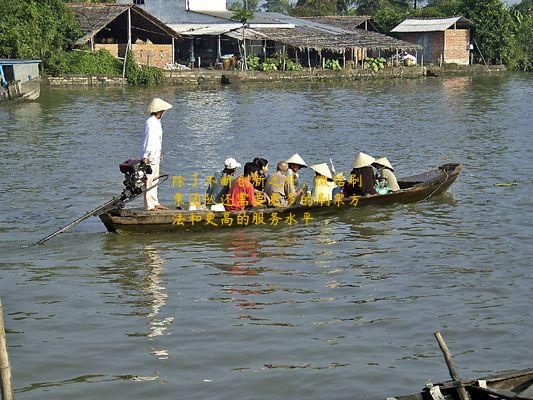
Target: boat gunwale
{"points": [[424, 186]]}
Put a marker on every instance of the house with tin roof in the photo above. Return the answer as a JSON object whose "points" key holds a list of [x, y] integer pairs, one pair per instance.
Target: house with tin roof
{"points": [[444, 40]]}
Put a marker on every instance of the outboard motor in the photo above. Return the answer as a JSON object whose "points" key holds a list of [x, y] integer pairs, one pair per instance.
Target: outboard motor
{"points": [[135, 172]]}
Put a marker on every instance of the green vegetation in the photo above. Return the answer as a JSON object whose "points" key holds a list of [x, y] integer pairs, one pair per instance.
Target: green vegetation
{"points": [[42, 29], [375, 64], [271, 64], [142, 74], [253, 62], [292, 66], [333, 65], [78, 62]]}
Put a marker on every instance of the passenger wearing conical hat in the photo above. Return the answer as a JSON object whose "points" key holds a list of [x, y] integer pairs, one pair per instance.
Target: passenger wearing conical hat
{"points": [[296, 163], [386, 172], [323, 183], [361, 181], [151, 150], [280, 188]]}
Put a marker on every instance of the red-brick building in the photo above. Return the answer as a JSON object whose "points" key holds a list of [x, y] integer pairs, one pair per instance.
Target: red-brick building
{"points": [[115, 27], [445, 40]]}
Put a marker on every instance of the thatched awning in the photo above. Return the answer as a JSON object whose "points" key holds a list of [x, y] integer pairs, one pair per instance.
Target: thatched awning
{"points": [[93, 17], [302, 38]]}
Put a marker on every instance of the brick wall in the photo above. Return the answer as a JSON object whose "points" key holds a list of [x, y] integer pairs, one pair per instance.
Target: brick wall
{"points": [[456, 51], [112, 48], [156, 55]]}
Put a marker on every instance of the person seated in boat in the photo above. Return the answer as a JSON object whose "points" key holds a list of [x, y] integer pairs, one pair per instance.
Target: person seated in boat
{"points": [[361, 181], [280, 188], [323, 183], [241, 194], [382, 187], [220, 185], [261, 165], [386, 172], [296, 163]]}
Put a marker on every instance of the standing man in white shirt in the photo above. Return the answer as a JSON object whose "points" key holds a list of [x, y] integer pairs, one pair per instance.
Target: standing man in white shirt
{"points": [[151, 150]]}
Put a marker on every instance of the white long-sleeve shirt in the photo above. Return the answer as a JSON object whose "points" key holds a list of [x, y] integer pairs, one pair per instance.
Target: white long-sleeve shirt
{"points": [[152, 140]]}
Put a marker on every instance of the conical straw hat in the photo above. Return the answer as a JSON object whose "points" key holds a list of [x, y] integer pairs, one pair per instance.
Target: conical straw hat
{"points": [[322, 169], [296, 159], [158, 105], [362, 160], [384, 162]]}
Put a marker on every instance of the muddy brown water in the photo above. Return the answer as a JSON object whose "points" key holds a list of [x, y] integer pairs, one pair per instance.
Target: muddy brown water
{"points": [[342, 308]]}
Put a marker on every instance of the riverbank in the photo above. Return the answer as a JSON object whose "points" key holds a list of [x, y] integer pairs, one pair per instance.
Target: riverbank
{"points": [[207, 76], [465, 70]]}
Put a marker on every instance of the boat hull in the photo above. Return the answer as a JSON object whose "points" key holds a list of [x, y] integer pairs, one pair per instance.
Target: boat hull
{"points": [[517, 385], [414, 188]]}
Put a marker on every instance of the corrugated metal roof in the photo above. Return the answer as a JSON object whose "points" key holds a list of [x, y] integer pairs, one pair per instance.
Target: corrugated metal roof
{"points": [[203, 29], [8, 61], [426, 25]]}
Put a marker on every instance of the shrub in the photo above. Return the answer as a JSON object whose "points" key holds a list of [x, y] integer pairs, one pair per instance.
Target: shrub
{"points": [[142, 74], [253, 62], [80, 62], [333, 65], [375, 64], [292, 66]]}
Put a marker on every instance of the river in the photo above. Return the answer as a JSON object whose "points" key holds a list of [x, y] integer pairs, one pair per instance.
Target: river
{"points": [[344, 307]]}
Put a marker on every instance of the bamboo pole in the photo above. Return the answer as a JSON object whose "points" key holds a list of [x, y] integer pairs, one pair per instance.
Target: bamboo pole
{"points": [[5, 368], [344, 58], [124, 67], [463, 394]]}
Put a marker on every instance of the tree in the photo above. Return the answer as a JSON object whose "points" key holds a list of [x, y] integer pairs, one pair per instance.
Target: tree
{"points": [[310, 8], [243, 16], [522, 15], [493, 28], [447, 7], [248, 4], [36, 29], [279, 6]]}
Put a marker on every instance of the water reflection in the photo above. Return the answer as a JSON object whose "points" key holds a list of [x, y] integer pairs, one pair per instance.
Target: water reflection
{"points": [[141, 276]]}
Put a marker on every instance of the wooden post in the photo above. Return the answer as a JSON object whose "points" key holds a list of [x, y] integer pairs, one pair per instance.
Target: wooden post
{"points": [[245, 66], [283, 58], [308, 59], [219, 49], [320, 59], [129, 27], [92, 43], [173, 51], [463, 394], [296, 55], [5, 368], [124, 67], [344, 58]]}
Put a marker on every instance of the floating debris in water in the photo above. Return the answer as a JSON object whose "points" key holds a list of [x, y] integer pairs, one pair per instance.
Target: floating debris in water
{"points": [[509, 184]]}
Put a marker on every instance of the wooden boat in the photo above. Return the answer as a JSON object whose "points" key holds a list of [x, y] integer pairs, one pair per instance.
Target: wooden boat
{"points": [[412, 189], [517, 385]]}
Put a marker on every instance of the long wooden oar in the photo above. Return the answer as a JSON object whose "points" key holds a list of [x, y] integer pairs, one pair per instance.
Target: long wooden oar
{"points": [[463, 394]]}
